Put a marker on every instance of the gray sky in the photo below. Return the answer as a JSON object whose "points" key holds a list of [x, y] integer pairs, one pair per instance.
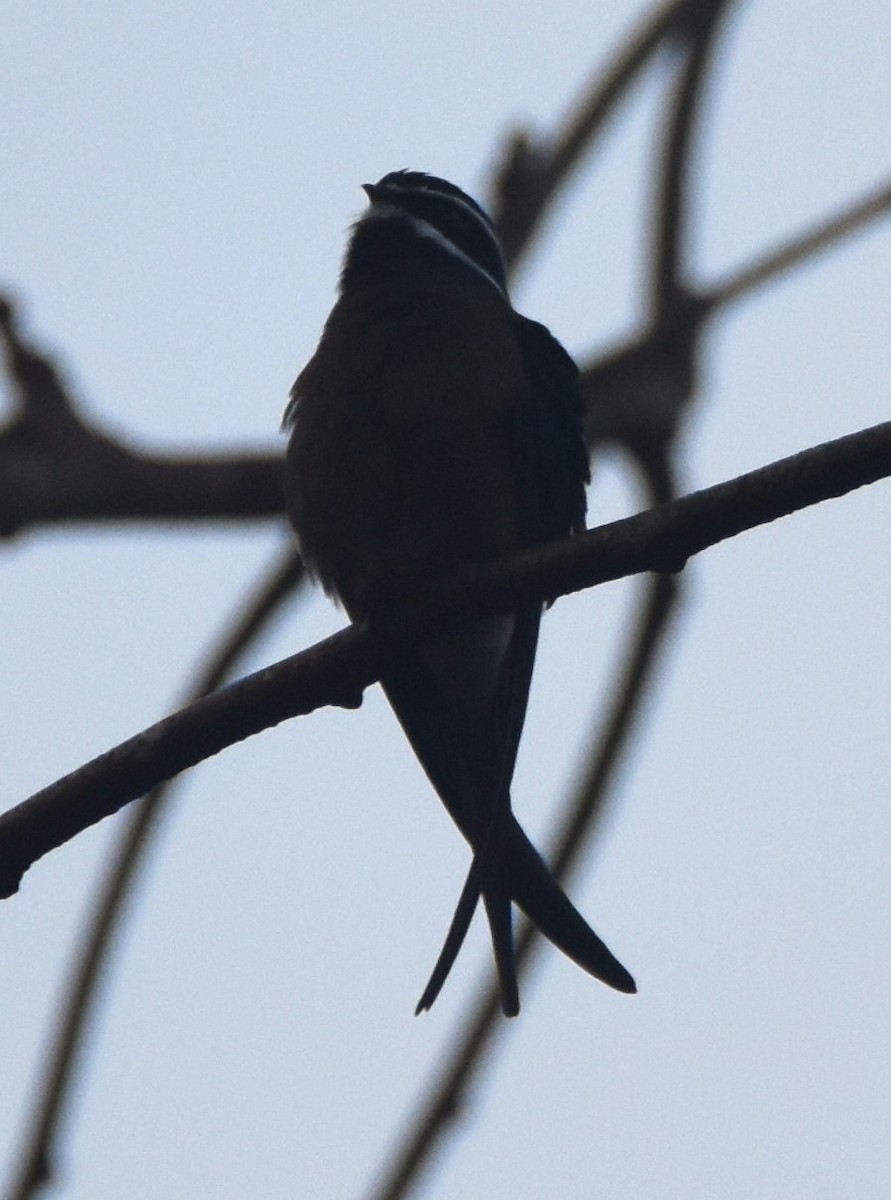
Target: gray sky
{"points": [[177, 184]]}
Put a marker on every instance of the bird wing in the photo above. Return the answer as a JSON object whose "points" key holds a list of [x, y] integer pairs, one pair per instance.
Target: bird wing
{"points": [[550, 456]]}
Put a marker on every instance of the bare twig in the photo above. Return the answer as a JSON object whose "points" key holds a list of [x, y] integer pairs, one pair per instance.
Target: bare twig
{"points": [[336, 670], [637, 395]]}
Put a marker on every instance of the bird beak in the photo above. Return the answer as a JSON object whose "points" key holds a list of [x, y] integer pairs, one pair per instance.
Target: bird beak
{"points": [[371, 191]]}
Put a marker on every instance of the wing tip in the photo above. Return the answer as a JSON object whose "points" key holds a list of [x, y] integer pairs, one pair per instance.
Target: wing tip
{"points": [[624, 982]]}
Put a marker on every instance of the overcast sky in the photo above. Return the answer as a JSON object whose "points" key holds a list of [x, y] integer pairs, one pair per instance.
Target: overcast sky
{"points": [[176, 188]]}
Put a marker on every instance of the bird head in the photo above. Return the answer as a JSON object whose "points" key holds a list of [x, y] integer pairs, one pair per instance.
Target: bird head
{"points": [[414, 217]]}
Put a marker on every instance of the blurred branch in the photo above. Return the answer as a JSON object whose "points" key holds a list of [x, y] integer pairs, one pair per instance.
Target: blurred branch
{"points": [[669, 285], [534, 172], [448, 1093], [633, 392], [336, 670], [823, 236], [640, 394], [56, 467], [37, 1160], [635, 397], [637, 393]]}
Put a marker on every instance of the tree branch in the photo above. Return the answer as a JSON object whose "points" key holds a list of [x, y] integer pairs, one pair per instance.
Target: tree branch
{"points": [[534, 171], [336, 670], [822, 236], [669, 273]]}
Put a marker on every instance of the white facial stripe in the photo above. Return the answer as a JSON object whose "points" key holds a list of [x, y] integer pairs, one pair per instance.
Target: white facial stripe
{"points": [[425, 229], [384, 208], [471, 211]]}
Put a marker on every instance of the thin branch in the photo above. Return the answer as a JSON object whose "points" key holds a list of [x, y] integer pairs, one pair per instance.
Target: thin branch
{"points": [[447, 1097], [668, 283], [638, 396], [336, 670], [533, 173], [823, 236], [37, 1160]]}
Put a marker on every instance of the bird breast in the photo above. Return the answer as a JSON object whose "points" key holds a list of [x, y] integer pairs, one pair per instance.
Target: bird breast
{"points": [[400, 454]]}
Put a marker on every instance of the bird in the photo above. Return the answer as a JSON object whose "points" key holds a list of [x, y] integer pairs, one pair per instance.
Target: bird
{"points": [[435, 427]]}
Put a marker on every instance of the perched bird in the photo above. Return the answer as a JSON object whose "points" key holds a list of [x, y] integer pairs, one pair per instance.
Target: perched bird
{"points": [[433, 427]]}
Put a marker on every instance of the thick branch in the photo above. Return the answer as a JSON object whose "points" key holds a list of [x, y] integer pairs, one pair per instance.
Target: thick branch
{"points": [[336, 670], [97, 480], [56, 466]]}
